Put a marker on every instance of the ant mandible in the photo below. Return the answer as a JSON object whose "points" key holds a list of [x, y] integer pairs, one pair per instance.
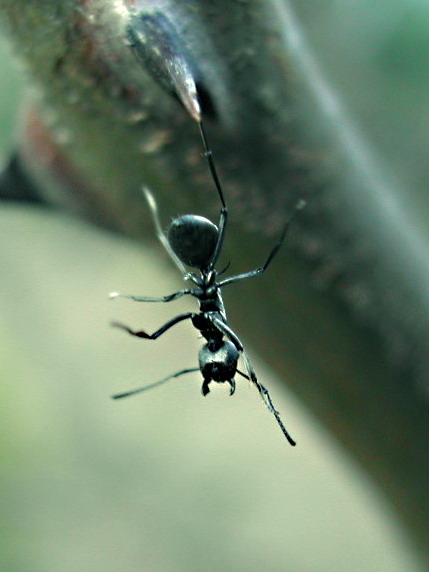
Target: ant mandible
{"points": [[196, 242]]}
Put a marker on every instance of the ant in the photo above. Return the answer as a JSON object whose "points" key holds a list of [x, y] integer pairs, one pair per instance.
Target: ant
{"points": [[196, 242]]}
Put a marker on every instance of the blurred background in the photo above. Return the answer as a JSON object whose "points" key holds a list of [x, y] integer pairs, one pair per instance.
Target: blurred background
{"points": [[170, 481]]}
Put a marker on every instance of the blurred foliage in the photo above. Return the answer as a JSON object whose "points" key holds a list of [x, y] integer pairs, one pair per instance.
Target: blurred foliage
{"points": [[376, 59], [10, 98]]}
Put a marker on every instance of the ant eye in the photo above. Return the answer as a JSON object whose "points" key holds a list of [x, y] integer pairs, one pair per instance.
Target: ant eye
{"points": [[193, 239]]}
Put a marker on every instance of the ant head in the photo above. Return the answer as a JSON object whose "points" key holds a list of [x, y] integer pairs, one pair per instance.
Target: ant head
{"points": [[193, 240], [219, 364]]}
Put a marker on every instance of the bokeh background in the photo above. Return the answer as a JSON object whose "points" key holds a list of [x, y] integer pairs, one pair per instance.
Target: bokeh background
{"points": [[167, 481]]}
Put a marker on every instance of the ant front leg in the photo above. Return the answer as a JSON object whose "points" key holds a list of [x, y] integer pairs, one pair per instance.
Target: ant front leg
{"points": [[263, 392], [159, 332], [224, 210], [251, 375], [221, 233], [266, 398]]}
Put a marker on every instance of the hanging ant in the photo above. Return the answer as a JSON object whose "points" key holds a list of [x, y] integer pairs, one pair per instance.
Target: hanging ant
{"points": [[196, 242]]}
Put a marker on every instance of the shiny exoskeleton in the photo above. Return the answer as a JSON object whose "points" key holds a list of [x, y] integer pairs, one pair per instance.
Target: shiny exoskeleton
{"points": [[195, 242]]}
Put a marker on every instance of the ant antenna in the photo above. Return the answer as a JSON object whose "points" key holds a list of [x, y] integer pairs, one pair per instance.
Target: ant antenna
{"points": [[209, 156]]}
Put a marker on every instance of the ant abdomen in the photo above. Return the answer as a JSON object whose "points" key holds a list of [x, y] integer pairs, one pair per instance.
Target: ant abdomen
{"points": [[193, 239]]}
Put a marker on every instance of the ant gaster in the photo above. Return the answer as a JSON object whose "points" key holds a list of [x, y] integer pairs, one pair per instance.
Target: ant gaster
{"points": [[196, 242]]}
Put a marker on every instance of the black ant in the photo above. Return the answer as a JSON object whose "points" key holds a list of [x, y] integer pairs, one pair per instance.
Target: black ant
{"points": [[196, 242]]}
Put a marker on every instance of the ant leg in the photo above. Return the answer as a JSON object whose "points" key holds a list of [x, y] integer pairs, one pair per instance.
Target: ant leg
{"points": [[226, 330], [159, 232], [224, 210], [221, 233], [159, 332], [168, 298], [300, 204], [152, 385], [266, 398], [263, 391], [209, 156]]}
